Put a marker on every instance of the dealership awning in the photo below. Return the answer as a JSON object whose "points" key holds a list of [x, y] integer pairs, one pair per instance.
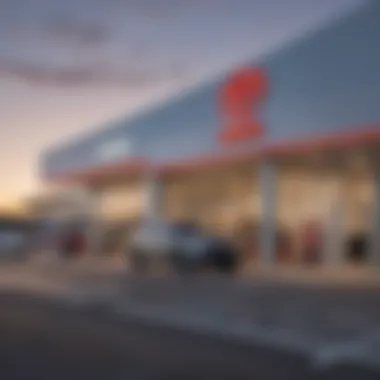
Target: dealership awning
{"points": [[362, 137]]}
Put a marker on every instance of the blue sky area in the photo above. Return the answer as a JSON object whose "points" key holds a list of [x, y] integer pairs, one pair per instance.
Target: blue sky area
{"points": [[67, 66]]}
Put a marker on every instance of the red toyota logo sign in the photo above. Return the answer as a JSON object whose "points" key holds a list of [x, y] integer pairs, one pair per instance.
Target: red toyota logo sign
{"points": [[240, 99]]}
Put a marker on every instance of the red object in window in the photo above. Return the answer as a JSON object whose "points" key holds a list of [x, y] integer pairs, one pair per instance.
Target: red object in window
{"points": [[240, 98], [312, 241], [284, 246], [79, 243]]}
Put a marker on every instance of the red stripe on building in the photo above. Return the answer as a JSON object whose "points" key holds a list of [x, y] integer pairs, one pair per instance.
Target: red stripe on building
{"points": [[362, 136]]}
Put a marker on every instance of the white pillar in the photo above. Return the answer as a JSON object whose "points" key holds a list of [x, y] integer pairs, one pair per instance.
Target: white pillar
{"points": [[94, 233], [268, 219], [375, 223], [334, 233], [153, 196], [334, 227]]}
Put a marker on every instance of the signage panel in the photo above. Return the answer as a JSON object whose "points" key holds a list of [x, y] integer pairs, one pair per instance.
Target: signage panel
{"points": [[240, 99], [114, 149]]}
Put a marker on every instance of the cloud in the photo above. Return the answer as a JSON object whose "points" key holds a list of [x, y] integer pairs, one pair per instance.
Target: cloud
{"points": [[87, 75], [89, 42], [63, 28]]}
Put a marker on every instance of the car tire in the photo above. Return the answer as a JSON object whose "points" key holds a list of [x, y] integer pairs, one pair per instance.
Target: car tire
{"points": [[225, 263]]}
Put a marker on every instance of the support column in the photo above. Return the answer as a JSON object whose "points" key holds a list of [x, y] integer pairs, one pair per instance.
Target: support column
{"points": [[268, 217], [153, 207], [375, 223], [335, 224], [94, 233]]}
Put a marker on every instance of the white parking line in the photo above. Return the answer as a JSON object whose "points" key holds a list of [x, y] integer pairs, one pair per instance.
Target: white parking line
{"points": [[333, 355], [358, 351], [248, 333]]}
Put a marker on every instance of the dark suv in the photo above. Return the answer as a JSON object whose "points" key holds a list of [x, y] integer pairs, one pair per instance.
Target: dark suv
{"points": [[182, 245]]}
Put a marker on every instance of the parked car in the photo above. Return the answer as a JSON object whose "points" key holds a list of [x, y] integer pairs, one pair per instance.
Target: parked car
{"points": [[15, 237], [12, 244], [182, 245]]}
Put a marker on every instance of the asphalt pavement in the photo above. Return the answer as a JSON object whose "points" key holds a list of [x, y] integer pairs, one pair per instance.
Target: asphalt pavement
{"points": [[42, 339], [331, 325]]}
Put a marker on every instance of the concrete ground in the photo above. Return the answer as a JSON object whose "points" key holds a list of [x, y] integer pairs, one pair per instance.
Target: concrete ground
{"points": [[330, 323], [41, 340], [355, 276]]}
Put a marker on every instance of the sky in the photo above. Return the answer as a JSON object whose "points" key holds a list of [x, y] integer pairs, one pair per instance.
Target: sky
{"points": [[67, 66]]}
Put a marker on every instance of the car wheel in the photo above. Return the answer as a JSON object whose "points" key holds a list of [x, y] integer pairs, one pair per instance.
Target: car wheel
{"points": [[225, 263]]}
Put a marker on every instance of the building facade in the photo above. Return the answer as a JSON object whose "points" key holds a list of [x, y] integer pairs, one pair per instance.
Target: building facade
{"points": [[283, 143]]}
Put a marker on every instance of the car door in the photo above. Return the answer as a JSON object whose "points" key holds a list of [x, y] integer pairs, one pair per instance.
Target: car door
{"points": [[143, 239], [153, 237], [163, 238], [189, 241]]}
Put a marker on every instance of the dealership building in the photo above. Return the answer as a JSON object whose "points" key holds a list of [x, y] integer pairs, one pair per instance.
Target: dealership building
{"points": [[288, 141]]}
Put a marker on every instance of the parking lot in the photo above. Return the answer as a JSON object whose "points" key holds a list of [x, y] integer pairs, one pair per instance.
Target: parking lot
{"points": [[330, 323]]}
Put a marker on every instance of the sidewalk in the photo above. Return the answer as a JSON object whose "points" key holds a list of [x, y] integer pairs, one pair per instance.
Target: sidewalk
{"points": [[335, 276], [48, 274], [330, 324]]}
